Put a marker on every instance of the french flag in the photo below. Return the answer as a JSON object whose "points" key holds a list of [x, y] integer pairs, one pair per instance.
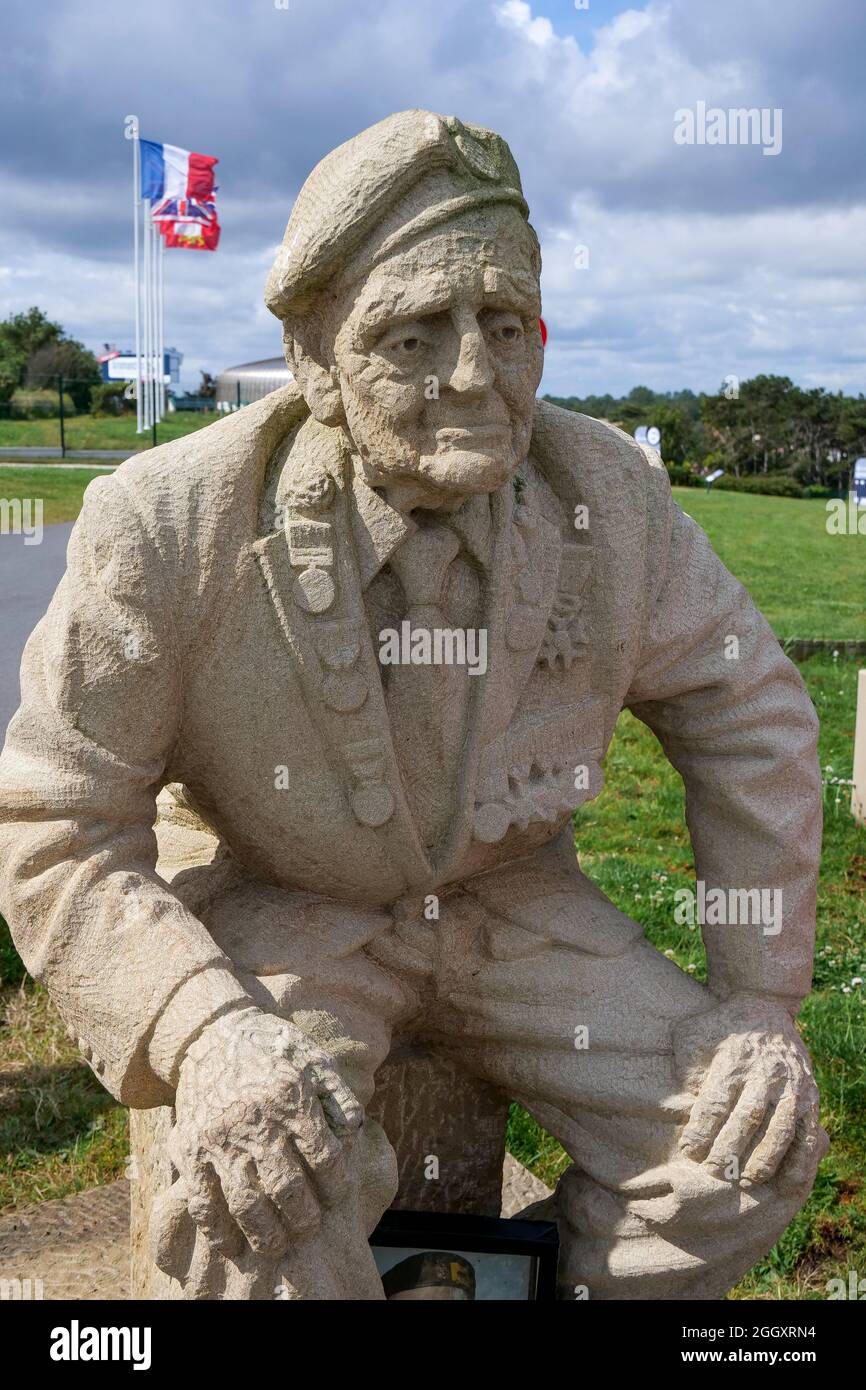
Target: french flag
{"points": [[170, 172]]}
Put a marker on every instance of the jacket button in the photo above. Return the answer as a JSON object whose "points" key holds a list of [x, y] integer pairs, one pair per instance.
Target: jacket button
{"points": [[373, 805], [345, 691]]}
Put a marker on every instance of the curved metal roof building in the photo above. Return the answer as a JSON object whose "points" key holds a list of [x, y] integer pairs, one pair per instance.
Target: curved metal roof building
{"points": [[250, 381]]}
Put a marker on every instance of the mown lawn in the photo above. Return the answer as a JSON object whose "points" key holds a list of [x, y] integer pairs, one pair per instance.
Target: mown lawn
{"points": [[807, 582], [61, 489], [91, 432], [60, 1132]]}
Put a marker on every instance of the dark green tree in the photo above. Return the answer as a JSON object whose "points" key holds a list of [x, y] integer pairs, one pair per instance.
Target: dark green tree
{"points": [[677, 432], [69, 359], [20, 336]]}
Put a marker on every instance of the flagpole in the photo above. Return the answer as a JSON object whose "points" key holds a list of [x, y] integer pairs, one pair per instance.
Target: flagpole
{"points": [[145, 317], [160, 241], [152, 360], [154, 322], [136, 217], [131, 131], [157, 321], [146, 418]]}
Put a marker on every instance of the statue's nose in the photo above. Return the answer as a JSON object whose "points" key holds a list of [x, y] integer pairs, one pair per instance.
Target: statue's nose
{"points": [[472, 372]]}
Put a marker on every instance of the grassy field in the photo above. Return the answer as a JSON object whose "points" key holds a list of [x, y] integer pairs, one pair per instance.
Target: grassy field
{"points": [[60, 1132], [807, 583], [61, 489], [88, 432]]}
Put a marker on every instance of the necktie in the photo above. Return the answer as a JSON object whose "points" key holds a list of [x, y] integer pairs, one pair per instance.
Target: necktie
{"points": [[427, 699]]}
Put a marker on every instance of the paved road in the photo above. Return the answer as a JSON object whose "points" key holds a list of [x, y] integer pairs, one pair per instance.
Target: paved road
{"points": [[29, 574]]}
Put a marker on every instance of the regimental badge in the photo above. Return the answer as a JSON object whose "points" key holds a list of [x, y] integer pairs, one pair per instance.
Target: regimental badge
{"points": [[566, 637]]}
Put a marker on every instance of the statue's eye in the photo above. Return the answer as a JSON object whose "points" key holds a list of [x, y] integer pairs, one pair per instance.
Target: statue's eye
{"points": [[509, 333], [404, 340]]}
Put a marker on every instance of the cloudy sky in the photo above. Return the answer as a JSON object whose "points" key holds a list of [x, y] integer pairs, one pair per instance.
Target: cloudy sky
{"points": [[704, 260]]}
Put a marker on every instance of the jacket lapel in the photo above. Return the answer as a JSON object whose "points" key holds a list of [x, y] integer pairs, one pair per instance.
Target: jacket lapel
{"points": [[311, 573]]}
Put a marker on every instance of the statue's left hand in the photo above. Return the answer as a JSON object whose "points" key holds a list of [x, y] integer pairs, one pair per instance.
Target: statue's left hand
{"points": [[756, 1112], [260, 1119]]}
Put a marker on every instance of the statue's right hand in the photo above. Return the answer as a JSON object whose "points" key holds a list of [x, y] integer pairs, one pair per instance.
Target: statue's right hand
{"points": [[261, 1114]]}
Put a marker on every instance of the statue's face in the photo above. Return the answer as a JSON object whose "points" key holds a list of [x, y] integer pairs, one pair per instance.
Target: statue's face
{"points": [[439, 357]]}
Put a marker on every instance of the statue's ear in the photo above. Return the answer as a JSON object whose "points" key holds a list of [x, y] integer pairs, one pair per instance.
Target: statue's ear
{"points": [[320, 384]]}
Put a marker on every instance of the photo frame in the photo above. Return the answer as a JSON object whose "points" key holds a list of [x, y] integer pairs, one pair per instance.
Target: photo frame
{"points": [[435, 1256]]}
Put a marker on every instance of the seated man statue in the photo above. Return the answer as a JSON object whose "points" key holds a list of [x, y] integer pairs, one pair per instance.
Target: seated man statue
{"points": [[367, 641]]}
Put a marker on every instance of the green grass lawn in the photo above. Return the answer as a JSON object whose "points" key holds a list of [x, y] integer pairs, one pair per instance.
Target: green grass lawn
{"points": [[60, 1132], [806, 582], [61, 489], [88, 432]]}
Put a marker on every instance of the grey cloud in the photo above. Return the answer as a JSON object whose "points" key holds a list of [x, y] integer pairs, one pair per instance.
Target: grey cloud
{"points": [[270, 91]]}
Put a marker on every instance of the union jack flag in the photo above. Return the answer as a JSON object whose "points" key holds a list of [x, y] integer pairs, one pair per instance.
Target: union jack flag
{"points": [[184, 210]]}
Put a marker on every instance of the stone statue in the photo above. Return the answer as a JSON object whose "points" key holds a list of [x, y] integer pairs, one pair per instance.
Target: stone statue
{"points": [[300, 739]]}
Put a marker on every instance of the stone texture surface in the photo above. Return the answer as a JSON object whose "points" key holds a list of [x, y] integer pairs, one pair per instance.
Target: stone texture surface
{"points": [[259, 834], [520, 1188], [78, 1247], [431, 1110]]}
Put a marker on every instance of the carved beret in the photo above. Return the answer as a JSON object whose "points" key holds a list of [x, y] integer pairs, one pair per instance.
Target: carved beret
{"points": [[379, 191]]}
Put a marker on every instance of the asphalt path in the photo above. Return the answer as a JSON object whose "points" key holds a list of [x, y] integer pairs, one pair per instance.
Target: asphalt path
{"points": [[29, 574]]}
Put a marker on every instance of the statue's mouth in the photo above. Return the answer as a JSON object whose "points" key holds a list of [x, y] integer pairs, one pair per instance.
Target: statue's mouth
{"points": [[494, 433]]}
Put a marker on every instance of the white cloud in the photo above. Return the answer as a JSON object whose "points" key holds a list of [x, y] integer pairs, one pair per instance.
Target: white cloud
{"points": [[516, 14], [699, 256], [672, 301]]}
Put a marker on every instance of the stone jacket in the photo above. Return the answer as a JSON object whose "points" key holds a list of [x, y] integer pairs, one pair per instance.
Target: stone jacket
{"points": [[210, 635]]}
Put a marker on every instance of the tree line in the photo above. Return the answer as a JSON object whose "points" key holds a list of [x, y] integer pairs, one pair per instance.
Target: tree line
{"points": [[757, 428]]}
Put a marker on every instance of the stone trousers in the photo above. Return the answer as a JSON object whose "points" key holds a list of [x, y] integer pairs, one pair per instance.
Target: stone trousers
{"points": [[532, 980]]}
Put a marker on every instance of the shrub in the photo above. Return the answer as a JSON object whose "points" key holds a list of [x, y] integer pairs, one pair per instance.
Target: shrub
{"points": [[681, 475], [108, 399], [35, 404], [771, 484], [66, 358]]}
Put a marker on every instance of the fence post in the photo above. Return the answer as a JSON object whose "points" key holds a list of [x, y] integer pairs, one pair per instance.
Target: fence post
{"points": [[239, 394], [62, 418], [858, 791]]}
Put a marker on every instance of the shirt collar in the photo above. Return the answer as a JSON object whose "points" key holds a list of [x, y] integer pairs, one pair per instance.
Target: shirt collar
{"points": [[378, 528]]}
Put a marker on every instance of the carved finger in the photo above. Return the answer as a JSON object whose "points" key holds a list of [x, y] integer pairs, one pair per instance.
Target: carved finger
{"points": [[208, 1209], [282, 1178], [809, 1147], [774, 1144], [323, 1155], [251, 1208], [714, 1104], [738, 1131], [344, 1112]]}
